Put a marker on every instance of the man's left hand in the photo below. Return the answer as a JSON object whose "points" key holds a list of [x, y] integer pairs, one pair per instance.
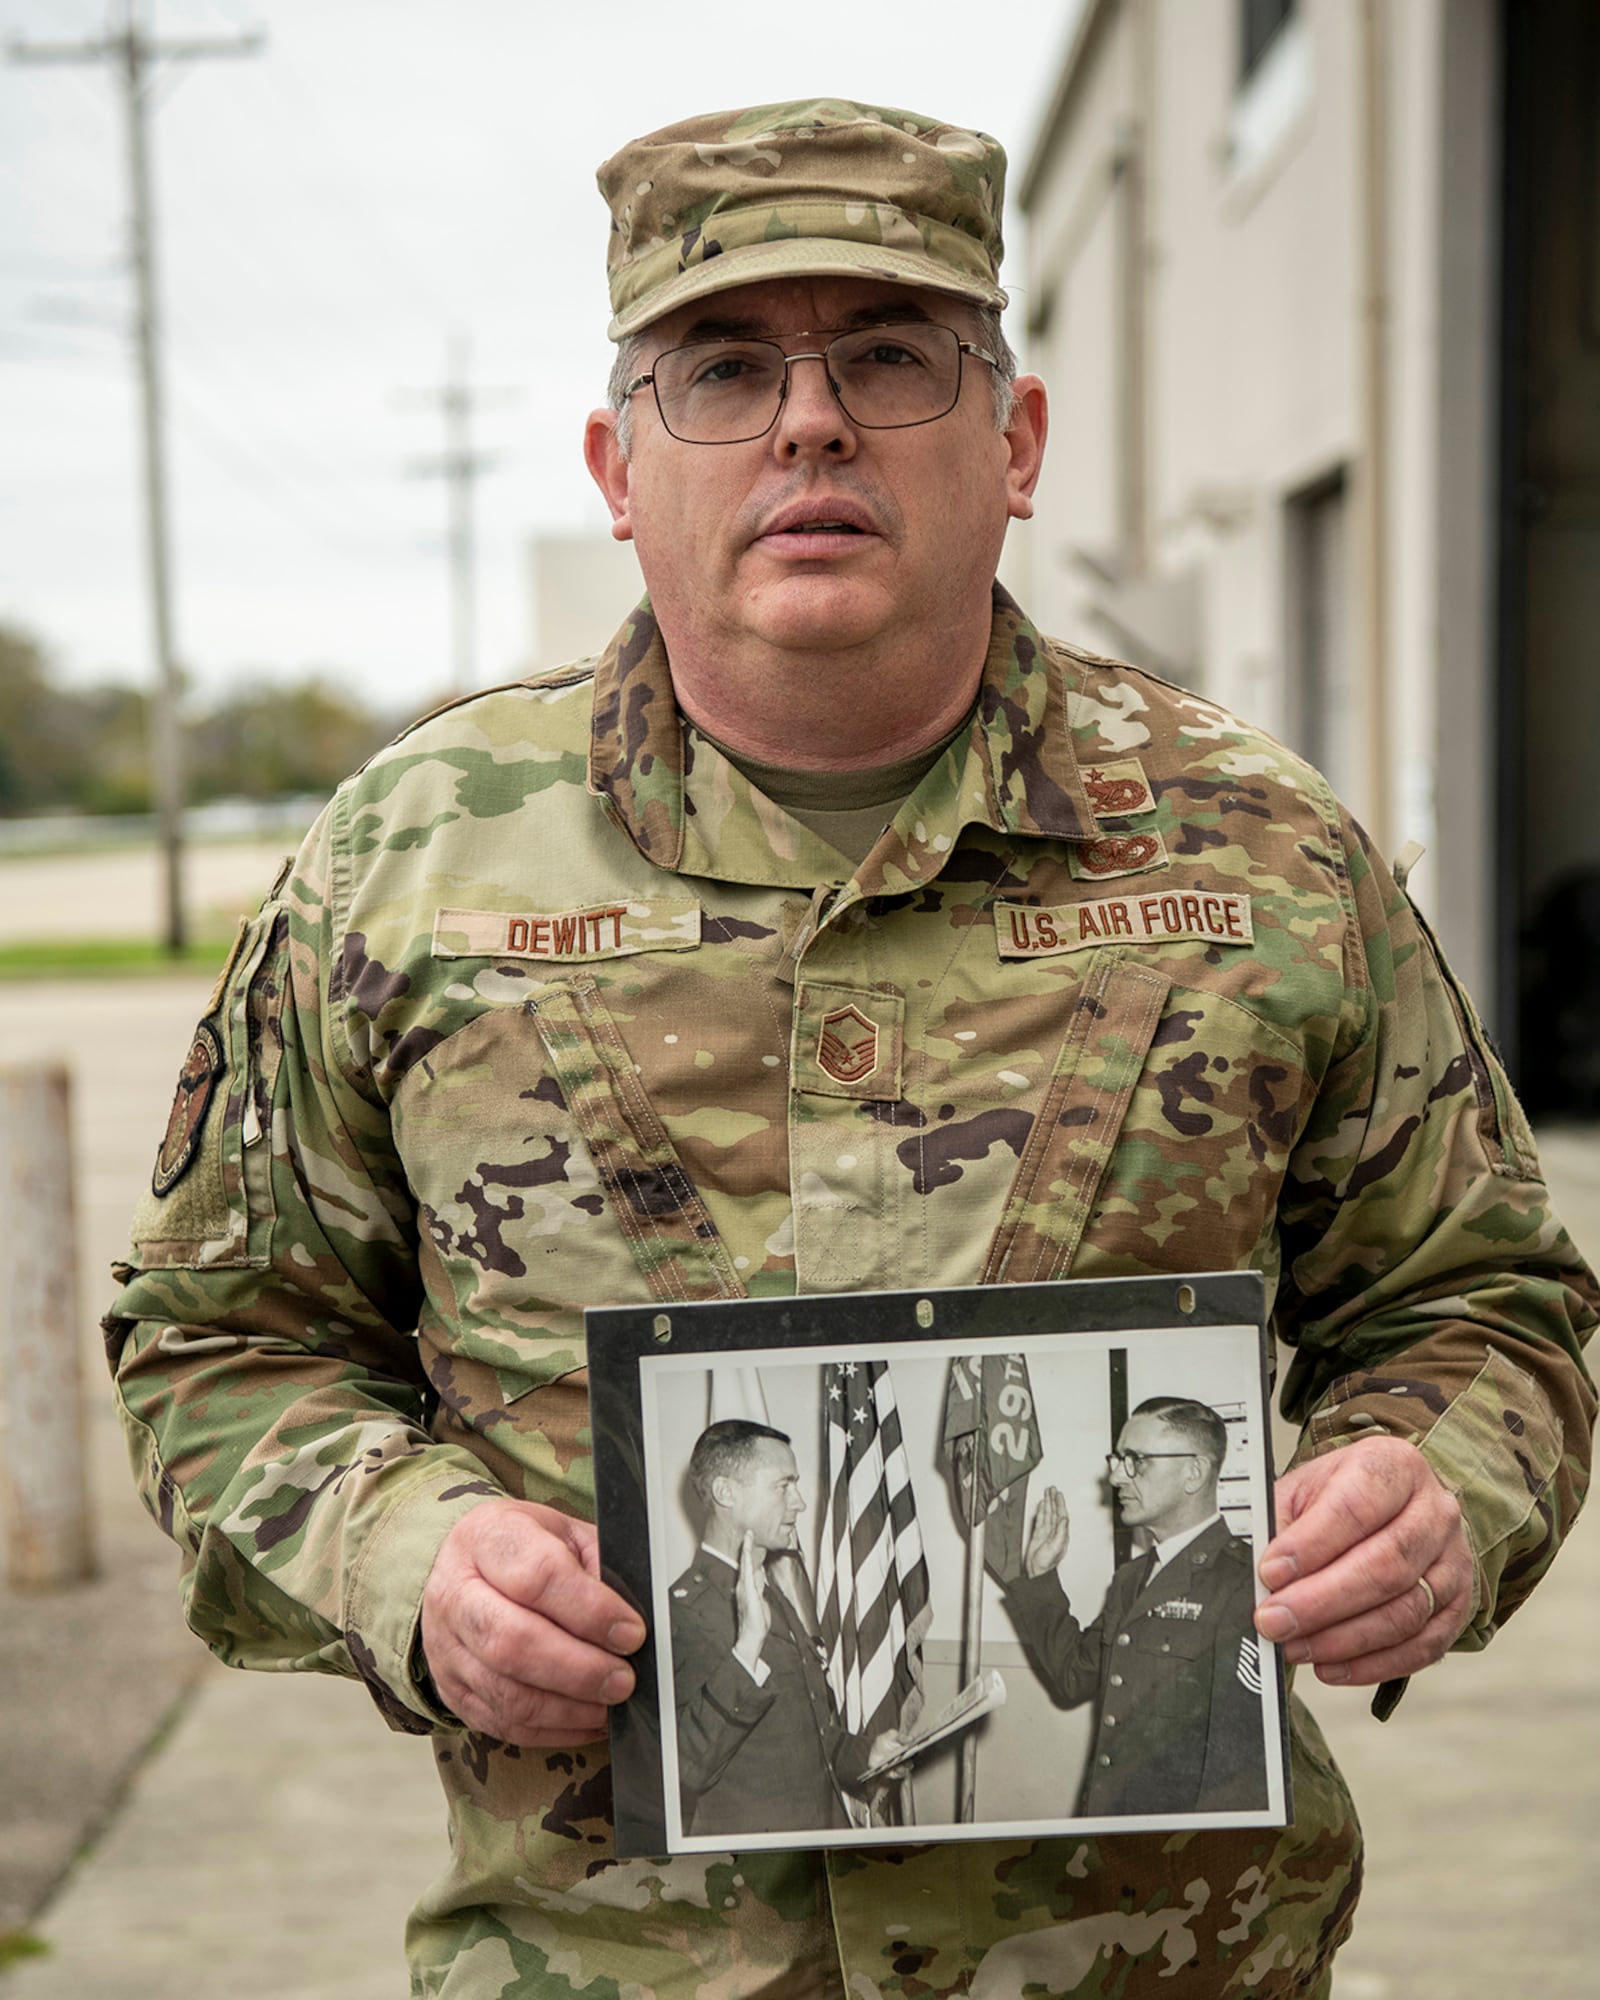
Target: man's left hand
{"points": [[1370, 1571], [888, 1744]]}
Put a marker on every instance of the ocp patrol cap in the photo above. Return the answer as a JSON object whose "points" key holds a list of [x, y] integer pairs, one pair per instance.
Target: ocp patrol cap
{"points": [[820, 189]]}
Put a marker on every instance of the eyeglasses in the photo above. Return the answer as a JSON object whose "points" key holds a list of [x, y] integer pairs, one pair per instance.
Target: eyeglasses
{"points": [[1131, 1464], [884, 378]]}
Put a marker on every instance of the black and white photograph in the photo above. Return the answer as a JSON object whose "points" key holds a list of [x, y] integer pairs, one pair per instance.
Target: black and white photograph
{"points": [[904, 1572]]}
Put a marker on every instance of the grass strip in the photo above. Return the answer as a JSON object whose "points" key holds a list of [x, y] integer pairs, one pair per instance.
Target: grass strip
{"points": [[18, 1945], [112, 958]]}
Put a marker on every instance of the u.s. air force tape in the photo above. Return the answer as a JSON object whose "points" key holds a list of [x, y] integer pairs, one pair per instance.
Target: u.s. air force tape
{"points": [[1163, 917]]}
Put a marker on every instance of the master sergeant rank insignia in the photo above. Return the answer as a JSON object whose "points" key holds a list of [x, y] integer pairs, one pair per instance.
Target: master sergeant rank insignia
{"points": [[847, 1048]]}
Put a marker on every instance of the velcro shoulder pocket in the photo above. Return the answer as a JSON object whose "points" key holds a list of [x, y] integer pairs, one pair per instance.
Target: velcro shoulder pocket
{"points": [[209, 1198]]}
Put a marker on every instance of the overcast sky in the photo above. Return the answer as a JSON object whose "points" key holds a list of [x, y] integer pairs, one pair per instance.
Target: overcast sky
{"points": [[330, 209]]}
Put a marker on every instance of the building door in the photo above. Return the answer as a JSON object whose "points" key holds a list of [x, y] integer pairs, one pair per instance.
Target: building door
{"points": [[1325, 715], [1549, 901]]}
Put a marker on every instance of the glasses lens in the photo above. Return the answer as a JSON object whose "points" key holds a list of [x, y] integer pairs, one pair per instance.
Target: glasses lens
{"points": [[886, 377], [720, 391], [891, 376]]}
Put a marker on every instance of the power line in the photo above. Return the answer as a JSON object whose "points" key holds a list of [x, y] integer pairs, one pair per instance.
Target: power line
{"points": [[302, 502], [461, 466], [139, 57]]}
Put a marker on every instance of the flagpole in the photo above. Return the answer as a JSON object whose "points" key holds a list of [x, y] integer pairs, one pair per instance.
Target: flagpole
{"points": [[971, 1637]]}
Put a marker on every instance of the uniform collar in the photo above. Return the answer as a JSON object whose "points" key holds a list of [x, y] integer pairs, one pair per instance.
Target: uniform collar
{"points": [[1176, 1544], [1015, 771]]}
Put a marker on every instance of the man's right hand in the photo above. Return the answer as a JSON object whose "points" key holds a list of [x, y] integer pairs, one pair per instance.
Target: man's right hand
{"points": [[523, 1641], [1047, 1537], [750, 1601]]}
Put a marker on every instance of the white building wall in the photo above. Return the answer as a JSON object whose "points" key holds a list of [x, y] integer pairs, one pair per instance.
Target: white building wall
{"points": [[1412, 109], [1257, 300], [1073, 294], [583, 586]]}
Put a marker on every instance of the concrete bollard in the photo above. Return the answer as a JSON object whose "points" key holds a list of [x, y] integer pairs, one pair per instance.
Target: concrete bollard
{"points": [[44, 1486]]}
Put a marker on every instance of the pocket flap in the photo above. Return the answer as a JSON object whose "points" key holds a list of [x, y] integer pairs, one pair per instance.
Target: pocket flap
{"points": [[1101, 1059]]}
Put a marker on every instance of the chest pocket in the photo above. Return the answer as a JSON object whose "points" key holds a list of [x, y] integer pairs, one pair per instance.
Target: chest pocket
{"points": [[1174, 1657], [1064, 1160], [657, 1206]]}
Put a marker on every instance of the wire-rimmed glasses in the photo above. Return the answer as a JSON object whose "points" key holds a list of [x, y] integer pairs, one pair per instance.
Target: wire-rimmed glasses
{"points": [[884, 378], [1132, 1463]]}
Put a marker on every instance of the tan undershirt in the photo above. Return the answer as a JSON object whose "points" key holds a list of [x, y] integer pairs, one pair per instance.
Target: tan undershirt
{"points": [[848, 809]]}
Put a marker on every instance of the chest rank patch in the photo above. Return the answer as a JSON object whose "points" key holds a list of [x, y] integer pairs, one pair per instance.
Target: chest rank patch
{"points": [[1116, 854], [599, 930], [1024, 932], [847, 1047], [202, 1071], [1116, 789]]}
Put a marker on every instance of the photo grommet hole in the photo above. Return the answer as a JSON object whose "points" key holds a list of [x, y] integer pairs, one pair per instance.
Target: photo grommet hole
{"points": [[661, 1327], [1185, 1299]]}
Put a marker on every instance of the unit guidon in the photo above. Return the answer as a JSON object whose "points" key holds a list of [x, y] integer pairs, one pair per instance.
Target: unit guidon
{"points": [[1021, 931]]}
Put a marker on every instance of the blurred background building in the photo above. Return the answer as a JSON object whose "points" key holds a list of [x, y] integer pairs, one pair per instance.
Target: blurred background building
{"points": [[583, 586], [1316, 288]]}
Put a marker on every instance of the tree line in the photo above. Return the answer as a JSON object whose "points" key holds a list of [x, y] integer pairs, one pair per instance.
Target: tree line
{"points": [[86, 749]]}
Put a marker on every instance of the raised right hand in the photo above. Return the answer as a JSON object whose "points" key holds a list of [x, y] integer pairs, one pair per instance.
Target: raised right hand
{"points": [[523, 1641], [750, 1601], [1047, 1537]]}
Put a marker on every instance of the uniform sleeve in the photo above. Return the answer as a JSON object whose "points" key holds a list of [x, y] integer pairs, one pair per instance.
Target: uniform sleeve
{"points": [[1429, 1288], [1233, 1777], [1069, 1656], [263, 1343], [719, 1702]]}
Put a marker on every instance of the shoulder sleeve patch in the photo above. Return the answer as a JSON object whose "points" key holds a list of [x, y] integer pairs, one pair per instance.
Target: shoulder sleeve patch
{"points": [[203, 1069]]}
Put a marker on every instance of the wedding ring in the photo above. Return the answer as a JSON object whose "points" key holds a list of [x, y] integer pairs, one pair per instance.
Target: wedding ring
{"points": [[1427, 1590]]}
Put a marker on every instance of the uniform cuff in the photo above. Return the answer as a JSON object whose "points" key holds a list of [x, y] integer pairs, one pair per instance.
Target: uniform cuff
{"points": [[383, 1598], [1494, 1445]]}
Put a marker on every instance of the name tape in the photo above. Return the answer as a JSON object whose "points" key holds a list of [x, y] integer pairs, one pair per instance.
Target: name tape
{"points": [[1024, 932], [602, 930]]}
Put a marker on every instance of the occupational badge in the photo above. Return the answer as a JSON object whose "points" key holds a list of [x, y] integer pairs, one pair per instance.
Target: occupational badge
{"points": [[1117, 854], [1117, 789]]}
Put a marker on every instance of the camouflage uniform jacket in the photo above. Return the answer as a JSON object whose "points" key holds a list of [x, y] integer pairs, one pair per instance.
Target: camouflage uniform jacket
{"points": [[554, 1009]]}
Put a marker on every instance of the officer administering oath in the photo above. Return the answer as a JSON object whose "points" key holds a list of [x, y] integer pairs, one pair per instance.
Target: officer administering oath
{"points": [[760, 1743], [830, 929], [1172, 1661]]}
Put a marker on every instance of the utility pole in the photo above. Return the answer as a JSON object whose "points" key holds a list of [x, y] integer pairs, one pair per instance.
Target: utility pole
{"points": [[135, 54], [461, 466]]}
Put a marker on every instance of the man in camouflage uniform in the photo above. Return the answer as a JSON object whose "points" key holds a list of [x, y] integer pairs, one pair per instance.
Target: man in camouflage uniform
{"points": [[831, 929]]}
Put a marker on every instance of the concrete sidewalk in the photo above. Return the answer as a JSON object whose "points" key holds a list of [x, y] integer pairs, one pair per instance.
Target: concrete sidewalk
{"points": [[267, 1844]]}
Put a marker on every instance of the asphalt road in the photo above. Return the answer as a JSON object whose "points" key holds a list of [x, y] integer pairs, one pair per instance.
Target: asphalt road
{"points": [[117, 893]]}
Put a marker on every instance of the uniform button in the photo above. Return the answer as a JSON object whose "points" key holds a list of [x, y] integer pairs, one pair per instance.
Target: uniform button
{"points": [[1110, 1721], [1104, 1763], [1116, 1680], [1123, 1639], [1166, 1649]]}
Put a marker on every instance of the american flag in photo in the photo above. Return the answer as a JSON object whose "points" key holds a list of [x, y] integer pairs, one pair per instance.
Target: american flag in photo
{"points": [[872, 1576]]}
